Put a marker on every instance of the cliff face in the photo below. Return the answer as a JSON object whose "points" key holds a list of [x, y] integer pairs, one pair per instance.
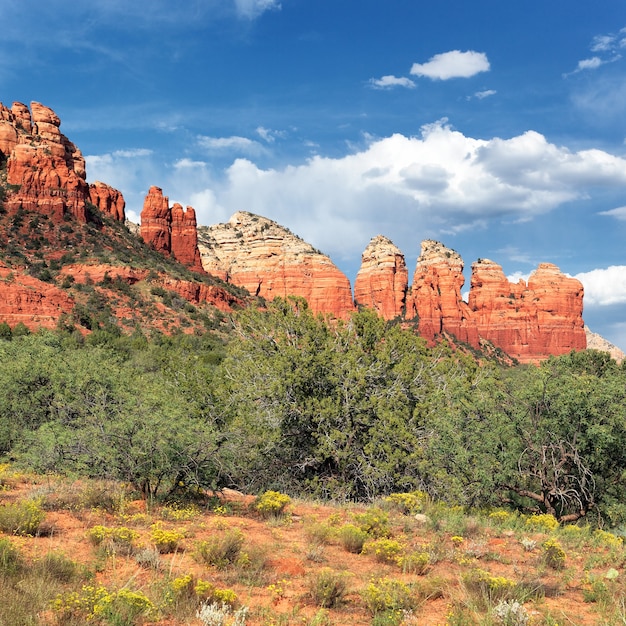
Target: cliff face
{"points": [[108, 200], [44, 169], [528, 321], [383, 279], [269, 261], [171, 231], [435, 297]]}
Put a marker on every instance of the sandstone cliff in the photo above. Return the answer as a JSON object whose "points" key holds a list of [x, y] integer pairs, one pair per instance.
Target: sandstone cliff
{"points": [[171, 231], [269, 261], [45, 171], [383, 279]]}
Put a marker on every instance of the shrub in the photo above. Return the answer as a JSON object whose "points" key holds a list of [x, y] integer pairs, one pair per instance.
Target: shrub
{"points": [[21, 518], [216, 614], [542, 523], [407, 503], [553, 554], [221, 551], [352, 538], [415, 563], [387, 594], [149, 558], [272, 503], [375, 523], [10, 559], [488, 588], [510, 613], [384, 550], [327, 587], [165, 541], [113, 540]]}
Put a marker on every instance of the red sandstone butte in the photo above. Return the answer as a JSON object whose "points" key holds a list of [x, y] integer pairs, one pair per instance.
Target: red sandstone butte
{"points": [[28, 300], [108, 200], [382, 281], [269, 261], [435, 296], [528, 321], [184, 237]]}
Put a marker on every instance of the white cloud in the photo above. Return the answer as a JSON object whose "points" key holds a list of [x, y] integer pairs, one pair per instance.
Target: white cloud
{"points": [[590, 64], [269, 135], [389, 82], [604, 287], [618, 213], [231, 144], [251, 9], [607, 47], [453, 64], [439, 182], [481, 95]]}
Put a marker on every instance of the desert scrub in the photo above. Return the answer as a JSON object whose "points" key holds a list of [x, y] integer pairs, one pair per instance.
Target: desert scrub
{"points": [[272, 504], [216, 614], [553, 554], [352, 538], [388, 594], [220, 551], [186, 587], [165, 541], [21, 518], [542, 523], [113, 540], [10, 558], [487, 589], [510, 613], [328, 587], [415, 563], [407, 503], [374, 522], [384, 550], [180, 513]]}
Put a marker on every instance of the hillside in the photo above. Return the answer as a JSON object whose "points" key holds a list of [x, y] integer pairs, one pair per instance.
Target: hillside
{"points": [[88, 552]]}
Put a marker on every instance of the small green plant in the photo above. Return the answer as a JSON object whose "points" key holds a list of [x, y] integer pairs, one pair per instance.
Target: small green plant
{"points": [[328, 587], [415, 563], [221, 551], [374, 522], [117, 540], [486, 588], [165, 541], [388, 594], [10, 558], [272, 503], [352, 538], [553, 554], [21, 518], [384, 550]]}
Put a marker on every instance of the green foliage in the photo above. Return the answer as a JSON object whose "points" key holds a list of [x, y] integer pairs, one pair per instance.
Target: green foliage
{"points": [[221, 550], [165, 541], [553, 554], [384, 550], [10, 558], [352, 538], [272, 503], [23, 517], [328, 587], [114, 540], [388, 594]]}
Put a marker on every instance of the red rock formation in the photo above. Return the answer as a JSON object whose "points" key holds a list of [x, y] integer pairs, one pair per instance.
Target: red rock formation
{"points": [[435, 296], [529, 322], [109, 201], [172, 231], [28, 300], [184, 236], [45, 166], [383, 279], [269, 261], [156, 221]]}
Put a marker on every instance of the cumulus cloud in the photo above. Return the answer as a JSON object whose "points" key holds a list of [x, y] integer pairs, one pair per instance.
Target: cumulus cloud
{"points": [[618, 213], [604, 287], [453, 64], [251, 9], [439, 182], [390, 81], [230, 144]]}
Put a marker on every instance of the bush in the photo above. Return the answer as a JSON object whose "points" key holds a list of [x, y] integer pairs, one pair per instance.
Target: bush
{"points": [[553, 554], [415, 563], [407, 503], [221, 551], [511, 613], [165, 541], [384, 550], [21, 518], [387, 594], [352, 538], [542, 523], [272, 503], [487, 588], [113, 540], [375, 523], [10, 559], [327, 587]]}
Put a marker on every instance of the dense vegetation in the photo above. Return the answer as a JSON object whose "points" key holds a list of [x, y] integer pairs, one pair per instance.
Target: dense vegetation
{"points": [[347, 411]]}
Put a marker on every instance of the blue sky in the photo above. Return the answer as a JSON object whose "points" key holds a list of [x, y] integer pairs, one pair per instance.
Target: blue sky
{"points": [[497, 128]]}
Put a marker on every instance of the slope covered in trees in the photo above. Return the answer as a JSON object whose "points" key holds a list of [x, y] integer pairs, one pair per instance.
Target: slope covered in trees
{"points": [[348, 411]]}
